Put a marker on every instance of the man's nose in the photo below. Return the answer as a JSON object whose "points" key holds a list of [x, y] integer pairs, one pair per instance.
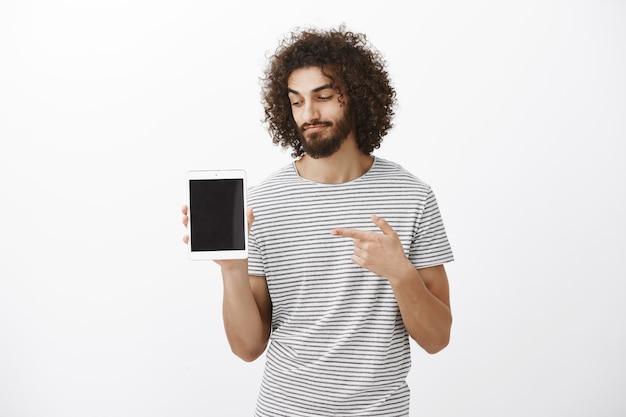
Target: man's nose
{"points": [[311, 112]]}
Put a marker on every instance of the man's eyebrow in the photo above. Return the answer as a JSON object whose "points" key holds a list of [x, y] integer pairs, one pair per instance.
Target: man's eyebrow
{"points": [[315, 90]]}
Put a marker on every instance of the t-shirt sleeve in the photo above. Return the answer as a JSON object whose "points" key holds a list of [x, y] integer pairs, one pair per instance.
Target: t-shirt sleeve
{"points": [[255, 261], [430, 246]]}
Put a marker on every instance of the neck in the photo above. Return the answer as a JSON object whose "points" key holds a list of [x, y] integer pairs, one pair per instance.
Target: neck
{"points": [[347, 164]]}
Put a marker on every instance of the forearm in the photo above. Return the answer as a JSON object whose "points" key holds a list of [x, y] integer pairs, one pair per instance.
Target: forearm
{"points": [[427, 318], [246, 331]]}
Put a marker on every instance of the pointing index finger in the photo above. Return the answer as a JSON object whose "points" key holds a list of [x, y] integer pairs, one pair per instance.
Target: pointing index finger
{"points": [[351, 233]]}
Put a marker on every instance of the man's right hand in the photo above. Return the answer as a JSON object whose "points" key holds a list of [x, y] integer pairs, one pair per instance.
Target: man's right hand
{"points": [[185, 210]]}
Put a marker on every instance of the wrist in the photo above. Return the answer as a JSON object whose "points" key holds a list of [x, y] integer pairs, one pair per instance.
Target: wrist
{"points": [[234, 268], [403, 274]]}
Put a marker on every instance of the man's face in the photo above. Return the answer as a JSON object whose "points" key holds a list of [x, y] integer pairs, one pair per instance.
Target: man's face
{"points": [[319, 112]]}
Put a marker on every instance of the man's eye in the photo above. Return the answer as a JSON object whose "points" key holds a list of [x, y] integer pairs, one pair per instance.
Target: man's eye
{"points": [[295, 103], [325, 98]]}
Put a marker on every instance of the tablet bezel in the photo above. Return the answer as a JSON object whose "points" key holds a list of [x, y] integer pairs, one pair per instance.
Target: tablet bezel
{"points": [[237, 174]]}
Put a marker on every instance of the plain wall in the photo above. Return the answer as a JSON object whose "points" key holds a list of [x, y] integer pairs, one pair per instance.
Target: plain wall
{"points": [[513, 111]]}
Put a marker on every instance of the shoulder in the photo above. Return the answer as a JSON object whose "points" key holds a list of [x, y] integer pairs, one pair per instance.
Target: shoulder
{"points": [[392, 171], [277, 180]]}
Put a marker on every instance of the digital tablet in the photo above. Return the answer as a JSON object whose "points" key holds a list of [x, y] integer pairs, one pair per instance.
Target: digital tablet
{"points": [[217, 224]]}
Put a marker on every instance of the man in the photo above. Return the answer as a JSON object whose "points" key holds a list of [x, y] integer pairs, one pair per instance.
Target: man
{"points": [[346, 249]]}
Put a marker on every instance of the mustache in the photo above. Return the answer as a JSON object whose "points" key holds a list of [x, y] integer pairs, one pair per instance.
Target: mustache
{"points": [[314, 123]]}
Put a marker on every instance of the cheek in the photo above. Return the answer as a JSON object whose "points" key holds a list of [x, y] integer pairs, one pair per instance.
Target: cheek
{"points": [[297, 116]]}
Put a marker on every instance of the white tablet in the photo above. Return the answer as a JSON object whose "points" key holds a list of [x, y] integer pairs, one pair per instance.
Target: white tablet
{"points": [[217, 225]]}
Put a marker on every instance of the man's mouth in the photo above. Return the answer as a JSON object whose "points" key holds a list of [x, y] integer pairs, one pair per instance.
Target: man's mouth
{"points": [[315, 126]]}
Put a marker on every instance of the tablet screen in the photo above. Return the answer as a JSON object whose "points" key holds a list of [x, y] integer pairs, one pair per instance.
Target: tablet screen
{"points": [[217, 214]]}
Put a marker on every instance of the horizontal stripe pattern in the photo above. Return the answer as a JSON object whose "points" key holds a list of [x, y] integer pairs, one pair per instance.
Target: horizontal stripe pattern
{"points": [[338, 344]]}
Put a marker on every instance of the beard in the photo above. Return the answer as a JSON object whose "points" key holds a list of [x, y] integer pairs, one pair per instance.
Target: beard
{"points": [[324, 144]]}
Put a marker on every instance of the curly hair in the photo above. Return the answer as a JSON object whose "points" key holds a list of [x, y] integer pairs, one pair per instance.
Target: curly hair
{"points": [[360, 69]]}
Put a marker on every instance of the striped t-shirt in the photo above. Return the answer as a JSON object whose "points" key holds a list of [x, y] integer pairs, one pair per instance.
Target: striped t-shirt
{"points": [[338, 346]]}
